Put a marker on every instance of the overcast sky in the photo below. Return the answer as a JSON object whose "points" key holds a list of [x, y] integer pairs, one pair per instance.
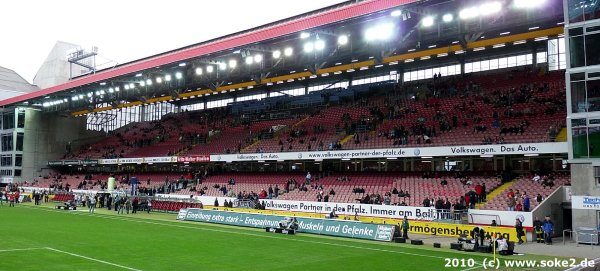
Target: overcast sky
{"points": [[126, 30]]}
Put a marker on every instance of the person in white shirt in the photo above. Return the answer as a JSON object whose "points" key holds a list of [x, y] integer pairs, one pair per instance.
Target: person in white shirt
{"points": [[92, 206], [536, 178]]}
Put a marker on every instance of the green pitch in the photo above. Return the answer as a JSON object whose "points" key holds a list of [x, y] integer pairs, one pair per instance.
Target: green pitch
{"points": [[40, 238]]}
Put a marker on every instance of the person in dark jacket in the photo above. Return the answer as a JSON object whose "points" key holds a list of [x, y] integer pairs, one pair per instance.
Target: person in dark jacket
{"points": [[520, 232], [405, 227], [539, 231]]}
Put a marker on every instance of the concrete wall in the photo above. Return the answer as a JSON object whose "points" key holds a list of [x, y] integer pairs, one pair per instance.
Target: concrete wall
{"points": [[45, 138], [55, 69], [552, 207], [583, 184]]}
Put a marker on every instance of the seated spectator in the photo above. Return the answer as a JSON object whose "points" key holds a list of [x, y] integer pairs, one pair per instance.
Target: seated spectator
{"points": [[548, 183]]}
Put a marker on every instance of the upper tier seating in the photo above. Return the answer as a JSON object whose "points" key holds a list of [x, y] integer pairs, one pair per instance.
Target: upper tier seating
{"points": [[502, 108]]}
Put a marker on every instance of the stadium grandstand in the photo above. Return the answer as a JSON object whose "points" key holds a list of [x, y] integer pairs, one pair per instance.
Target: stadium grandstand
{"points": [[447, 113]]}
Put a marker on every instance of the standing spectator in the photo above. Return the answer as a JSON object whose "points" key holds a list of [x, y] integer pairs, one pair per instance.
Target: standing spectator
{"points": [[447, 207], [518, 195], [121, 205], [520, 232], [92, 204], [539, 231], [426, 202], [11, 199], [405, 227], [479, 191], [134, 205], [539, 198], [308, 178], [548, 227], [149, 206], [526, 202], [519, 207], [511, 203], [128, 205], [510, 193], [483, 193]]}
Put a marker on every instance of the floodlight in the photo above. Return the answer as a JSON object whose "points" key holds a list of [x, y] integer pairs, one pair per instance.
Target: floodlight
{"points": [[288, 51], [528, 3], [131, 85], [469, 13], [276, 54], [258, 58], [182, 64], [111, 90], [142, 83], [148, 82], [232, 63], [380, 32], [448, 18], [309, 47], [209, 69], [222, 66], [396, 13], [304, 35], [198, 71], [126, 87], [319, 45], [158, 80], [343, 40], [117, 89], [427, 21], [178, 75], [249, 60], [168, 77], [490, 8]]}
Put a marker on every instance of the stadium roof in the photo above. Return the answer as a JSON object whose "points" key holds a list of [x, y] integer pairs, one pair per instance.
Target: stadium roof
{"points": [[12, 84], [317, 18], [376, 34]]}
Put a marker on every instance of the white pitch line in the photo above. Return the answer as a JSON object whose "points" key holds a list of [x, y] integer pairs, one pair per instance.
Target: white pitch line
{"points": [[20, 249], [138, 220], [92, 259]]}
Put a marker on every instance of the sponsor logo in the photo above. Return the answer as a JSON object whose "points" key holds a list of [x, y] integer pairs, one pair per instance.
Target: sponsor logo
{"points": [[182, 214], [193, 159]]}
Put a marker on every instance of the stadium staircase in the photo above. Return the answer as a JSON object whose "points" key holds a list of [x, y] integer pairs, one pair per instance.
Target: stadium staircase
{"points": [[249, 147], [562, 135], [346, 139], [496, 192], [300, 122]]}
